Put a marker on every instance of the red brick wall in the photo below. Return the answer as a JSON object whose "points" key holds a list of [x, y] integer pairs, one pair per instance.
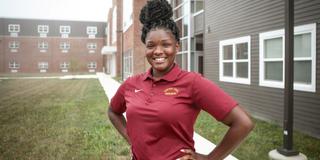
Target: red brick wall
{"points": [[119, 38], [29, 54], [140, 64], [2, 54]]}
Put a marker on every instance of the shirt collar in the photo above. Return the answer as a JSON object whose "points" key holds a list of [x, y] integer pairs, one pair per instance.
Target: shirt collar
{"points": [[172, 75]]}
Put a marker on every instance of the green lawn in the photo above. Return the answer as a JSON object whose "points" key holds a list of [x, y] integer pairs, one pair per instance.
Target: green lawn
{"points": [[264, 138], [66, 119], [56, 119]]}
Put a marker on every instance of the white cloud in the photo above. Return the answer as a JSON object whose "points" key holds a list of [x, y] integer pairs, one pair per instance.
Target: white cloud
{"points": [[87, 10]]}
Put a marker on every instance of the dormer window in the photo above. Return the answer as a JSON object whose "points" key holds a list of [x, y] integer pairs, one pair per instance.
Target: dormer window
{"points": [[14, 29], [43, 30], [91, 31], [65, 31]]}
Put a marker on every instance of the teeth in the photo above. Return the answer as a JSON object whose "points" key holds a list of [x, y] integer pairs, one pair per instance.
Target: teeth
{"points": [[159, 59]]}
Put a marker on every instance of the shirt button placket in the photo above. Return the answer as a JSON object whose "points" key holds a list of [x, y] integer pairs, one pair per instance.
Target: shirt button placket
{"points": [[151, 94]]}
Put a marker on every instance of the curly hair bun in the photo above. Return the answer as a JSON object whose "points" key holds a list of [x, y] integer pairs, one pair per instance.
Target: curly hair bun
{"points": [[155, 10], [158, 14]]}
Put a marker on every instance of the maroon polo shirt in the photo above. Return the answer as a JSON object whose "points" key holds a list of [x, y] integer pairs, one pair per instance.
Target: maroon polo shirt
{"points": [[161, 114]]}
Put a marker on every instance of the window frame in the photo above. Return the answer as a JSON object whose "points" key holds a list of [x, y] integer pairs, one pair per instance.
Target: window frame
{"points": [[302, 29], [65, 29], [43, 65], [92, 46], [14, 44], [128, 64], [43, 29], [114, 25], [13, 28], [65, 65], [234, 42], [64, 46], [92, 30], [92, 65], [14, 65], [43, 45]]}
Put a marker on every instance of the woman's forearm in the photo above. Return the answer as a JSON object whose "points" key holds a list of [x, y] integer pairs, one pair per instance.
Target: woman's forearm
{"points": [[240, 126], [119, 122]]}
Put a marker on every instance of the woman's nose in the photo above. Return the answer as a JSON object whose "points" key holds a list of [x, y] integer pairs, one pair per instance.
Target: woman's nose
{"points": [[158, 50]]}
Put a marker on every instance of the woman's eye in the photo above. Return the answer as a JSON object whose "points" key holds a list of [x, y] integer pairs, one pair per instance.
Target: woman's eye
{"points": [[150, 46], [166, 44]]}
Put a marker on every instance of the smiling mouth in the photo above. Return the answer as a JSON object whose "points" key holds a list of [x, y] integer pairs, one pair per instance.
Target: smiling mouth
{"points": [[159, 59]]}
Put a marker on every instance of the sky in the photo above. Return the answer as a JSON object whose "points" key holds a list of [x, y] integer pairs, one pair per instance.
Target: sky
{"points": [[79, 10]]}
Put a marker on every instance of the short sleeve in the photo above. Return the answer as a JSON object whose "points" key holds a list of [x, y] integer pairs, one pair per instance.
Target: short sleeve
{"points": [[212, 99], [118, 103]]}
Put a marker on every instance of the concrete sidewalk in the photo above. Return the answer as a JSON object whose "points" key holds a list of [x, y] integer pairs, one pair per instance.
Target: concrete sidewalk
{"points": [[202, 145]]}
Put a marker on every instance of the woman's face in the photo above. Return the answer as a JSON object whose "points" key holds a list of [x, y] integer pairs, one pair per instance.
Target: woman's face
{"points": [[161, 49]]}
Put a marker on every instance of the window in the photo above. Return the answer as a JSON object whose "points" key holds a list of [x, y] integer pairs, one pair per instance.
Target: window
{"points": [[65, 29], [272, 58], [128, 64], [43, 29], [108, 34], [14, 45], [43, 65], [234, 65], [91, 30], [43, 45], [114, 25], [196, 6], [92, 65], [64, 45], [14, 65], [14, 28], [127, 14], [64, 65], [92, 46]]}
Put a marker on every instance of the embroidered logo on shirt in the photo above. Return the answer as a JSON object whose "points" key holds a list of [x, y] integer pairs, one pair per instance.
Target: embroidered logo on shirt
{"points": [[137, 90], [171, 91]]}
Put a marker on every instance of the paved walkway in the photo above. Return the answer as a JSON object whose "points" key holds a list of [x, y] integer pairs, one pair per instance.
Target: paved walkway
{"points": [[202, 145]]}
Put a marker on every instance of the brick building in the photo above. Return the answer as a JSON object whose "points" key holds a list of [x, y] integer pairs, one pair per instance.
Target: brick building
{"points": [[34, 45], [126, 50]]}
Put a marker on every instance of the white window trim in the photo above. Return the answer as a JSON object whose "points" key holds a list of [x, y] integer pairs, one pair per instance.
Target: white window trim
{"points": [[233, 42], [65, 29], [92, 30], [43, 65], [64, 45], [309, 28], [92, 46], [14, 65], [43, 45], [127, 15], [128, 57], [14, 28], [92, 65], [64, 65], [14, 45], [114, 25], [43, 29]]}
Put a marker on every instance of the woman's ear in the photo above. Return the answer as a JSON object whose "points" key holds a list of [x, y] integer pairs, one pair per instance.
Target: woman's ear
{"points": [[177, 46]]}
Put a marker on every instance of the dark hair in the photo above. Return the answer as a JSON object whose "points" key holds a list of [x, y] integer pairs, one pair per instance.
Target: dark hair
{"points": [[157, 14]]}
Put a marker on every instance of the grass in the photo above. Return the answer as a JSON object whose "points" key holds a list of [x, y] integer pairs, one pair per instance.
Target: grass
{"points": [[56, 119], [10, 75], [264, 138], [66, 119]]}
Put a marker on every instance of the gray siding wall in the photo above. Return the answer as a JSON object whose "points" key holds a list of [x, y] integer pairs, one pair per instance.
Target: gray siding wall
{"points": [[29, 27], [236, 18]]}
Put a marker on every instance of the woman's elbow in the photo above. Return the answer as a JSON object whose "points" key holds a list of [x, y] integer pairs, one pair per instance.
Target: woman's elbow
{"points": [[247, 124]]}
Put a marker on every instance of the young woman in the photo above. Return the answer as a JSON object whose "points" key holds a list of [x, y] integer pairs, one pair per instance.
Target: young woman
{"points": [[162, 104]]}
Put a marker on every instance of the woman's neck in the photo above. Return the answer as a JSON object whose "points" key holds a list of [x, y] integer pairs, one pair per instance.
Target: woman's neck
{"points": [[158, 75]]}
